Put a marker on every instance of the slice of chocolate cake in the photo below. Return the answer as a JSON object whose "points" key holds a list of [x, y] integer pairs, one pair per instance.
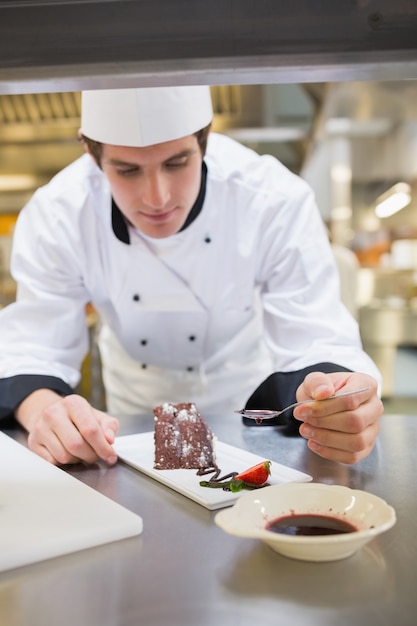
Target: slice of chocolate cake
{"points": [[183, 440]]}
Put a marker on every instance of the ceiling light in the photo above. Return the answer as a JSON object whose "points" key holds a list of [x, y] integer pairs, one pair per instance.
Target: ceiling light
{"points": [[267, 134], [393, 200]]}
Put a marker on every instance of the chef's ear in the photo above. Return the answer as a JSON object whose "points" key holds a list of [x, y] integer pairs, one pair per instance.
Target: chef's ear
{"points": [[93, 148], [82, 140]]}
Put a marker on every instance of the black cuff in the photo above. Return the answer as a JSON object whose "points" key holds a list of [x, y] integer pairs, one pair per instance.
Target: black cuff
{"points": [[279, 390], [15, 389]]}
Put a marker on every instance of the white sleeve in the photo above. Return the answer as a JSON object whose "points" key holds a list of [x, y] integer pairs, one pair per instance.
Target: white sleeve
{"points": [[45, 331], [305, 319]]}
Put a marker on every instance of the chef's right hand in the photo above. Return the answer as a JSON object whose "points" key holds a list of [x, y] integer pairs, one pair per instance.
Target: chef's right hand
{"points": [[65, 430]]}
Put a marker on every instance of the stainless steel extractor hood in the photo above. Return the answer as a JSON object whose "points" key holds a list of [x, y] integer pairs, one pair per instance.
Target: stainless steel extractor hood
{"points": [[67, 45]]}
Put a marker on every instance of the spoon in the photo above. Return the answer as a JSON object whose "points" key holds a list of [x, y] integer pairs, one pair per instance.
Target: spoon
{"points": [[265, 414]]}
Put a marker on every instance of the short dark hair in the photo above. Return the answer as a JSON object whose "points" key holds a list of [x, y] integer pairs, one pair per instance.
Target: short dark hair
{"points": [[96, 147]]}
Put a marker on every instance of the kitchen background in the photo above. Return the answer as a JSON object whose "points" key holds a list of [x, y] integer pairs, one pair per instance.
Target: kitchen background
{"points": [[352, 141]]}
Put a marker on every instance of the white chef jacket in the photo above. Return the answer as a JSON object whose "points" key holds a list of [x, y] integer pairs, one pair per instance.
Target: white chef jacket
{"points": [[248, 288]]}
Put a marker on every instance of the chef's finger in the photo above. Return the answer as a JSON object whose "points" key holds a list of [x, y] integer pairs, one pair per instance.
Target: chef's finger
{"points": [[110, 425], [350, 413], [40, 449], [89, 424], [50, 448], [316, 412], [316, 385], [78, 428], [344, 447]]}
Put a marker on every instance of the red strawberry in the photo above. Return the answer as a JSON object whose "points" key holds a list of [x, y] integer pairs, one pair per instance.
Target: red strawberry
{"points": [[256, 475], [252, 478]]}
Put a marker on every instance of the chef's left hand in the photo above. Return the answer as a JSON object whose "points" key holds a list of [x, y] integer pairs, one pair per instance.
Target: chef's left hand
{"points": [[344, 429]]}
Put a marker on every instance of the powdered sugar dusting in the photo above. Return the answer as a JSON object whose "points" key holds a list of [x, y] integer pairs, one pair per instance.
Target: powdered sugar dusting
{"points": [[182, 438]]}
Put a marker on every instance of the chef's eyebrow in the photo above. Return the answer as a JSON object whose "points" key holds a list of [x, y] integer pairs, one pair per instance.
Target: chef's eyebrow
{"points": [[179, 155]]}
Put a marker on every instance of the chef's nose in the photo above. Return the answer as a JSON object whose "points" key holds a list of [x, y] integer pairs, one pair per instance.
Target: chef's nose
{"points": [[155, 191]]}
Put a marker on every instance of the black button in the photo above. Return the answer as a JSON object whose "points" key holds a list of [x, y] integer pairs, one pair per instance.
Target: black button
{"points": [[207, 239], [191, 337], [144, 366], [136, 297], [190, 369], [143, 342]]}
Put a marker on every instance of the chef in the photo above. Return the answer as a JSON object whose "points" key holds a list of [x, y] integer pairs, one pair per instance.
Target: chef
{"points": [[212, 275]]}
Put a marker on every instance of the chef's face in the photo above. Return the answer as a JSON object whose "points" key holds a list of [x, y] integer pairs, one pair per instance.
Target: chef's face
{"points": [[155, 187]]}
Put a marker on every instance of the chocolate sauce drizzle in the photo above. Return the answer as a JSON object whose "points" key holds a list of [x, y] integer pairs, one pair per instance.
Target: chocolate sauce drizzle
{"points": [[216, 480], [216, 471]]}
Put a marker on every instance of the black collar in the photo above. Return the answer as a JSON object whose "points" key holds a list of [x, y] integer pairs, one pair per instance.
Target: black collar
{"points": [[119, 222]]}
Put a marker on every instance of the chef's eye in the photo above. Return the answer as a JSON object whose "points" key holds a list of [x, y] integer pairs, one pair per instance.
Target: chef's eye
{"points": [[131, 171], [176, 164]]}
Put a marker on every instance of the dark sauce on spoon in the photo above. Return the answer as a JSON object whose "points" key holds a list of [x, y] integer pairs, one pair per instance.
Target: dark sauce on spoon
{"points": [[310, 524]]}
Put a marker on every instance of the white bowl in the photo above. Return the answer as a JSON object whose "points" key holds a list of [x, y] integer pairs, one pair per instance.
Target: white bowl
{"points": [[254, 510]]}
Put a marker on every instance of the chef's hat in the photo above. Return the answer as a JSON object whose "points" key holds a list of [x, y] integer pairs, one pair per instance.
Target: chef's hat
{"points": [[144, 116]]}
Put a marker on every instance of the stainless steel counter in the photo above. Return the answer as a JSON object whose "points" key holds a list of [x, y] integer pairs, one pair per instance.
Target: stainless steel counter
{"points": [[183, 570]]}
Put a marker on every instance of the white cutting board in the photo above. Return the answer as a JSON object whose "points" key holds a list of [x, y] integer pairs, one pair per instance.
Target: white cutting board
{"points": [[45, 512]]}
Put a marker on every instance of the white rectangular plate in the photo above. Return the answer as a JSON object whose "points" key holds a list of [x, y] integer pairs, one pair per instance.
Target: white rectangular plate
{"points": [[138, 451]]}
